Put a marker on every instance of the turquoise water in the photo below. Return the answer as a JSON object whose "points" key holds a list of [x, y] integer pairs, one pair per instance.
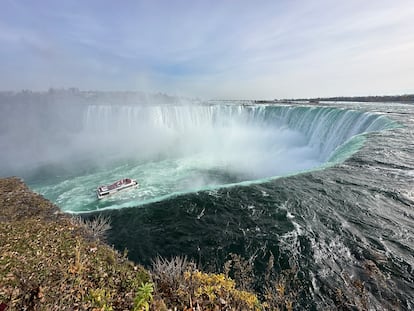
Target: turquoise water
{"points": [[172, 150], [327, 191]]}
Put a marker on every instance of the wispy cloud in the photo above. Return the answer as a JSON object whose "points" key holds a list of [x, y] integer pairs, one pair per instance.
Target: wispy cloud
{"points": [[229, 49]]}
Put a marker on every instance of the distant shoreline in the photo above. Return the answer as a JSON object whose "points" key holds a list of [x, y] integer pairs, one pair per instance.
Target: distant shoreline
{"points": [[132, 97], [409, 98]]}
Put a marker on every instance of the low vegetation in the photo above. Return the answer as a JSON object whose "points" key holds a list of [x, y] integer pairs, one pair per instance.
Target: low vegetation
{"points": [[179, 283], [51, 261]]}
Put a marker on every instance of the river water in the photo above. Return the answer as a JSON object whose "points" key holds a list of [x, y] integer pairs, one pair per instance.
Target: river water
{"points": [[326, 190]]}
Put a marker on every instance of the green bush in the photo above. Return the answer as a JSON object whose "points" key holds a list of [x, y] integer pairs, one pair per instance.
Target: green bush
{"points": [[144, 297]]}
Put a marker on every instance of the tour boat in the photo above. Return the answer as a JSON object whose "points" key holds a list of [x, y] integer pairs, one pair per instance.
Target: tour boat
{"points": [[120, 185]]}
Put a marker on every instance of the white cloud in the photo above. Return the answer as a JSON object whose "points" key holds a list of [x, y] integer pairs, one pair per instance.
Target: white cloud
{"points": [[232, 49]]}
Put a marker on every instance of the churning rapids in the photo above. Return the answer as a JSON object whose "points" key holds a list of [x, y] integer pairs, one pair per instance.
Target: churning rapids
{"points": [[327, 190]]}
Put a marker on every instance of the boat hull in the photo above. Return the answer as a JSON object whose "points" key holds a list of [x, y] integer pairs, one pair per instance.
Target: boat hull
{"points": [[119, 186]]}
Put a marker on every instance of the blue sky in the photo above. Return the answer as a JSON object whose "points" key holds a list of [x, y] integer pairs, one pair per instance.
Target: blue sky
{"points": [[210, 49]]}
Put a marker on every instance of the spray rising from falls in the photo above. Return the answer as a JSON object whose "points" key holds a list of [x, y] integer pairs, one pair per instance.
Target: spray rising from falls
{"points": [[179, 149]]}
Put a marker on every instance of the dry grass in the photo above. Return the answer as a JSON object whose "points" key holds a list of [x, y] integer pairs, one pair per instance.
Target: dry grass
{"points": [[179, 283], [96, 227], [241, 270], [48, 263], [168, 275]]}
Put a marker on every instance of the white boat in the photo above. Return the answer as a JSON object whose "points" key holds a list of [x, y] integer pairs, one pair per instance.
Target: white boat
{"points": [[120, 185]]}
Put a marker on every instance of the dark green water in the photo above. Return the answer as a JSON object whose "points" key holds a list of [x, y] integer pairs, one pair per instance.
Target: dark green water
{"points": [[346, 219]]}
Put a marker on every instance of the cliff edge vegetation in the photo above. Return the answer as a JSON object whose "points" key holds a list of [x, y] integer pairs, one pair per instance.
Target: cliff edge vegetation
{"points": [[52, 261], [48, 261]]}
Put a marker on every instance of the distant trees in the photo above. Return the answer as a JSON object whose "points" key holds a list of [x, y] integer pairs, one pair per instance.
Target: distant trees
{"points": [[407, 98]]}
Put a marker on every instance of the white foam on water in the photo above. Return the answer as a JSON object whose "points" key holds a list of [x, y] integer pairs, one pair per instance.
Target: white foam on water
{"points": [[180, 149]]}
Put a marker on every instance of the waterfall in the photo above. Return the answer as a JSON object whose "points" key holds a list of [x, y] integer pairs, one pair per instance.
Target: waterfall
{"points": [[325, 129], [173, 149], [234, 134]]}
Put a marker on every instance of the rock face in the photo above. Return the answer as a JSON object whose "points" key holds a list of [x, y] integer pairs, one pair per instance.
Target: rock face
{"points": [[50, 261]]}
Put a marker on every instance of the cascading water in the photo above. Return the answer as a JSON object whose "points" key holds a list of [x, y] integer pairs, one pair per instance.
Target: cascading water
{"points": [[323, 128], [222, 178], [179, 149]]}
